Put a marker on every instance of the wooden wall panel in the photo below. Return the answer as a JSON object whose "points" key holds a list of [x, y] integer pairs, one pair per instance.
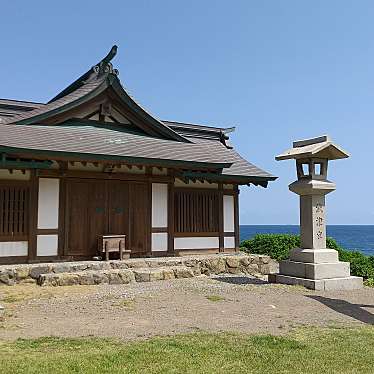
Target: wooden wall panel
{"points": [[14, 211], [196, 211]]}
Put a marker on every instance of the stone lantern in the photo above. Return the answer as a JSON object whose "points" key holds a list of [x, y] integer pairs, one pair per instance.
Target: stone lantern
{"points": [[313, 265]]}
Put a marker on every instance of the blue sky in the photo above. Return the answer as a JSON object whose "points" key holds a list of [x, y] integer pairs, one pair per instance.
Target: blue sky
{"points": [[277, 70]]}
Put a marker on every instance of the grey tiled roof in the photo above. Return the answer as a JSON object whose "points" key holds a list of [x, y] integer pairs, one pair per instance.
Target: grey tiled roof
{"points": [[21, 132], [80, 92], [105, 141], [240, 166]]}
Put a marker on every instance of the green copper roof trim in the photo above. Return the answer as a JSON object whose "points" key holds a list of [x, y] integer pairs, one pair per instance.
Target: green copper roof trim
{"points": [[18, 164], [163, 128], [226, 177], [80, 81], [110, 81], [40, 117], [75, 156]]}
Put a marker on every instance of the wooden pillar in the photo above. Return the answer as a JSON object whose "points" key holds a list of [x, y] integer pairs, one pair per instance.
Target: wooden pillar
{"points": [[61, 217], [33, 217], [236, 217], [171, 215], [148, 173], [220, 218]]}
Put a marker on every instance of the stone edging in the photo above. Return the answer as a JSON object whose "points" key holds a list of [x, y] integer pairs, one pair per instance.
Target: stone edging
{"points": [[140, 270]]}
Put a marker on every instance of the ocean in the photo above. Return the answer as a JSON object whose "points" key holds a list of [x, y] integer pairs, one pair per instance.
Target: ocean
{"points": [[352, 237]]}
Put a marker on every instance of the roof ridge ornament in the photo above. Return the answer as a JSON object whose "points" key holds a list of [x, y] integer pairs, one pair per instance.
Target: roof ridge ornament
{"points": [[105, 66]]}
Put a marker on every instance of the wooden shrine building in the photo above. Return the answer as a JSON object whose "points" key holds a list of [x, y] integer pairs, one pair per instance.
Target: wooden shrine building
{"points": [[92, 161]]}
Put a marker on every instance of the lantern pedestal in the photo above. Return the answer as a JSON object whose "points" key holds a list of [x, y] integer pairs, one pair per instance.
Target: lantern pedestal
{"points": [[313, 265]]}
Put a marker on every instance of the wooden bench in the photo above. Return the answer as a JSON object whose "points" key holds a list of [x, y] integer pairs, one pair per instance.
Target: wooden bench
{"points": [[113, 243]]}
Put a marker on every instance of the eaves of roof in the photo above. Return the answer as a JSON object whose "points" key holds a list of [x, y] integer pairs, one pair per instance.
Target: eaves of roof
{"points": [[76, 156]]}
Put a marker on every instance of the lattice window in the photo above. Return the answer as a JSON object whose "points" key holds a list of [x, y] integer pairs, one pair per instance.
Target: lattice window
{"points": [[14, 211], [196, 211]]}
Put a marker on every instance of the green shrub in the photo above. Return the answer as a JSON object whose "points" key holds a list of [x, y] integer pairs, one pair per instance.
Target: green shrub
{"points": [[278, 246], [369, 282]]}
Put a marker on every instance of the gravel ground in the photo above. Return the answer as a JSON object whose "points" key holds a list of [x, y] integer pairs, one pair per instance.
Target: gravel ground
{"points": [[142, 310]]}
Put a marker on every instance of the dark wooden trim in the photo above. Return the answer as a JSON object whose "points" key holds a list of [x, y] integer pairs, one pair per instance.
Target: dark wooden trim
{"points": [[229, 234], [61, 216], [11, 183], [14, 238], [197, 251], [230, 250], [161, 254], [156, 230], [171, 228], [236, 218], [229, 192], [47, 231], [47, 259], [148, 171], [220, 218], [198, 189], [195, 234], [33, 217], [104, 175], [10, 260]]}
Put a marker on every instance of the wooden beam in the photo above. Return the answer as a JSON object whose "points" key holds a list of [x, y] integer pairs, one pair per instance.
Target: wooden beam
{"points": [[236, 217], [171, 208], [102, 175], [33, 217], [220, 218]]}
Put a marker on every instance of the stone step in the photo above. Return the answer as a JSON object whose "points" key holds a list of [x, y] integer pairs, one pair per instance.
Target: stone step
{"points": [[116, 276]]}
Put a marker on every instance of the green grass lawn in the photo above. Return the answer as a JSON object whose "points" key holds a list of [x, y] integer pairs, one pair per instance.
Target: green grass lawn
{"points": [[332, 350]]}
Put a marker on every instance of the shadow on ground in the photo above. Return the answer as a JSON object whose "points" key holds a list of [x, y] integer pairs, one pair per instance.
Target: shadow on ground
{"points": [[355, 311], [240, 280]]}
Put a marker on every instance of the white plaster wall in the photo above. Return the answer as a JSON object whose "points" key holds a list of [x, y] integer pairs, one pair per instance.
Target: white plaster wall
{"points": [[228, 213], [46, 245], [160, 241], [48, 203], [229, 242], [16, 175], [196, 242], [159, 205], [8, 249]]}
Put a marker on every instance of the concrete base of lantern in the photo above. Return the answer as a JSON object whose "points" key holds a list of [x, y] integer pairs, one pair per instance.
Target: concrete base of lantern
{"points": [[347, 283], [317, 269]]}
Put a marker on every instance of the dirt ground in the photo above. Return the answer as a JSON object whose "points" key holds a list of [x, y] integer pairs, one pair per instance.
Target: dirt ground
{"points": [[141, 310]]}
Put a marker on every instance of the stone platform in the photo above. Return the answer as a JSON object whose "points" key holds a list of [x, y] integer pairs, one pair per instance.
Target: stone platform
{"points": [[346, 283], [317, 269], [135, 270]]}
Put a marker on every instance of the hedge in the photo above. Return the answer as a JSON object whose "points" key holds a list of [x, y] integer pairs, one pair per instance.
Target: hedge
{"points": [[278, 247]]}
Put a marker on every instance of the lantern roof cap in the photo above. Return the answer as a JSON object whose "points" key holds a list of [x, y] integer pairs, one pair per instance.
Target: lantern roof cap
{"points": [[320, 147]]}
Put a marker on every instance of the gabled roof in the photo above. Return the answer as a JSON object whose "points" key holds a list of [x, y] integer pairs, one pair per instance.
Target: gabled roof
{"points": [[95, 81], [10, 108], [51, 131]]}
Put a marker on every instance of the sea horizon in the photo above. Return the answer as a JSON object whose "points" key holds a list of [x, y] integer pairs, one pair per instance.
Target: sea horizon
{"points": [[351, 237]]}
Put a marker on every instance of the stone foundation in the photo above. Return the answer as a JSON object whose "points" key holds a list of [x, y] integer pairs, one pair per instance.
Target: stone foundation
{"points": [[135, 270]]}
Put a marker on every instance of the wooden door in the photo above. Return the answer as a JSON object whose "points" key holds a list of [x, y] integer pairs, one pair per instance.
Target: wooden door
{"points": [[97, 213], [140, 223], [118, 208], [99, 207], [86, 216], [77, 219]]}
